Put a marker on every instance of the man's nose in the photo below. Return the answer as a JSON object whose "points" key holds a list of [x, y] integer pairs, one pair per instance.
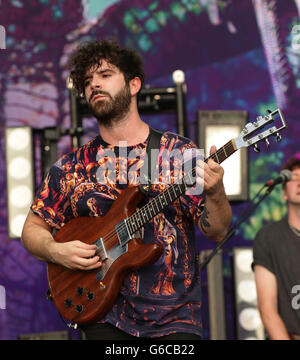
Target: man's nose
{"points": [[96, 83]]}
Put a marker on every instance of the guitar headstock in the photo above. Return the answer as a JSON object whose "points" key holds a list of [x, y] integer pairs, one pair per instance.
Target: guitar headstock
{"points": [[250, 135]]}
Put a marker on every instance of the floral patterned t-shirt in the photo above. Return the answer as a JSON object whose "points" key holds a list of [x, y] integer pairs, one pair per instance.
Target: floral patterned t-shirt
{"points": [[155, 300]]}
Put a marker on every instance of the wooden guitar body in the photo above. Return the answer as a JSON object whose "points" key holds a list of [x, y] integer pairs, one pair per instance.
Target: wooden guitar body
{"points": [[86, 296]]}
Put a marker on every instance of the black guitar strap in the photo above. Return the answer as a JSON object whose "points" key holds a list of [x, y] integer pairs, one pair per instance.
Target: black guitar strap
{"points": [[153, 143]]}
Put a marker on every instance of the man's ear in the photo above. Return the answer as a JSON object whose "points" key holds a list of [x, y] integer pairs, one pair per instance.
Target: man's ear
{"points": [[135, 85]]}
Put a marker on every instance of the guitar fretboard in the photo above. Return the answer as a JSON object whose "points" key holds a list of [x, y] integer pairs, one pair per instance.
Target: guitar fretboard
{"points": [[173, 192]]}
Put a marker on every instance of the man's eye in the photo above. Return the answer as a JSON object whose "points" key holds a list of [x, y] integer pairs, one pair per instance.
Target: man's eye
{"points": [[86, 83]]}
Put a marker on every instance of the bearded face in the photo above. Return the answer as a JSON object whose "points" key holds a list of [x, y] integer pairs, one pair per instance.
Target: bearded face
{"points": [[107, 93], [109, 108]]}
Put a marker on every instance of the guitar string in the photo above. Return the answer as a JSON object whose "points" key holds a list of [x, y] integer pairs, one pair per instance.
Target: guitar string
{"points": [[161, 198], [163, 194], [156, 200]]}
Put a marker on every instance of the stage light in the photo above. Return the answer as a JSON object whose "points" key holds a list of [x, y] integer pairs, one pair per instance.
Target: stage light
{"points": [[248, 321], [19, 168], [21, 196], [19, 176], [178, 77], [247, 290], [217, 128]]}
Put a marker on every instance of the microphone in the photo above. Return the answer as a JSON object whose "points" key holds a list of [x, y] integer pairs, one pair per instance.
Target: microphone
{"points": [[284, 176]]}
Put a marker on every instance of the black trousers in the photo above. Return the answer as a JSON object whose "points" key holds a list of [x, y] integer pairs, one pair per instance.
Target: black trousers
{"points": [[109, 332]]}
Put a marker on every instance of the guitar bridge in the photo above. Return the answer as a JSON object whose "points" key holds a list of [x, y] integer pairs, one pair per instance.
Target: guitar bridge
{"points": [[101, 250]]}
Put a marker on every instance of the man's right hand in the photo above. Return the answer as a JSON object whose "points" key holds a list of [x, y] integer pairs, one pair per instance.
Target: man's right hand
{"points": [[75, 255], [37, 239]]}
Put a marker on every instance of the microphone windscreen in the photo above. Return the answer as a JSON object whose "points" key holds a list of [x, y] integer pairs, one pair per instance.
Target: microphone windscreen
{"points": [[286, 174]]}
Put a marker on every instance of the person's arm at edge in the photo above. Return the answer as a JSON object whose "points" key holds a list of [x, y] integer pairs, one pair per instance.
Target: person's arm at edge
{"points": [[266, 286], [216, 216], [37, 238], [217, 213]]}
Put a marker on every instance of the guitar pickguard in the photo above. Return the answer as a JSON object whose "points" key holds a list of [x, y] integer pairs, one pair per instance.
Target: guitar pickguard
{"points": [[112, 255]]}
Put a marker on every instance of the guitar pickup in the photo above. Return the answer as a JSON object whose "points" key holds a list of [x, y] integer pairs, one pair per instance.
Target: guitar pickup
{"points": [[101, 250], [123, 233]]}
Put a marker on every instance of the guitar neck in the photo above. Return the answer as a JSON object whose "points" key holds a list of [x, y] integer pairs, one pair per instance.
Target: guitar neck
{"points": [[174, 191]]}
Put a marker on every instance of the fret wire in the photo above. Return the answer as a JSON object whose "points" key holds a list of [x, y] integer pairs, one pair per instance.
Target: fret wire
{"points": [[164, 195], [134, 228], [190, 178], [216, 155], [146, 209], [173, 188], [159, 197], [150, 207], [184, 184], [169, 193], [129, 227], [137, 219], [221, 154], [136, 223], [142, 214], [228, 146], [157, 208]]}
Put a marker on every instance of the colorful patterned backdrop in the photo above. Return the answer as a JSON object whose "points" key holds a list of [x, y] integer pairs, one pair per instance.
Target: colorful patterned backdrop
{"points": [[236, 55]]}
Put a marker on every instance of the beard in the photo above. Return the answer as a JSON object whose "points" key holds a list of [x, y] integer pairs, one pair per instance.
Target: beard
{"points": [[111, 109]]}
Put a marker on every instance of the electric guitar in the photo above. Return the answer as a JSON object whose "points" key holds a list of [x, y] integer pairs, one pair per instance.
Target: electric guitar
{"points": [[82, 296]]}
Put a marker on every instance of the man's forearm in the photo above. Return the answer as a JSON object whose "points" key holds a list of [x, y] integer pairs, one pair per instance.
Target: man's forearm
{"points": [[216, 216], [274, 325], [37, 240]]}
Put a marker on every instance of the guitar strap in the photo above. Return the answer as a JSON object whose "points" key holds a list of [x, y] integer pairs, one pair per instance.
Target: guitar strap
{"points": [[146, 171]]}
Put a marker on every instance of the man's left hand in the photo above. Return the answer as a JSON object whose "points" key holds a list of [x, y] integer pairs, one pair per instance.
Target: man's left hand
{"points": [[210, 175]]}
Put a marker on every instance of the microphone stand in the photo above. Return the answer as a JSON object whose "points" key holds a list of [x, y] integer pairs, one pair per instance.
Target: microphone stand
{"points": [[249, 210]]}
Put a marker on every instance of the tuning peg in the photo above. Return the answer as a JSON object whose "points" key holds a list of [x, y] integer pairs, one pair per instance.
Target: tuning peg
{"points": [[278, 137], [267, 143], [256, 148]]}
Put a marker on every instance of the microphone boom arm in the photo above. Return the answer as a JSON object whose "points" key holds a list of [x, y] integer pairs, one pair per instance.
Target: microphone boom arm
{"points": [[249, 210]]}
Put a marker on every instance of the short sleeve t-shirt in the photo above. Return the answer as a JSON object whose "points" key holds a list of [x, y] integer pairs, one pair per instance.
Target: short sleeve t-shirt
{"points": [[277, 248], [155, 300]]}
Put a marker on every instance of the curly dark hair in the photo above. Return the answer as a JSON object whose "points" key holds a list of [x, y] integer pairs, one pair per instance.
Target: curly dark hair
{"points": [[91, 53], [292, 163]]}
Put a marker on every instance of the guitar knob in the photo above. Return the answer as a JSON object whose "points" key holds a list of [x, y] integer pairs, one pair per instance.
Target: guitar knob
{"points": [[278, 137], [267, 143], [48, 295], [79, 308], [256, 148], [68, 303], [80, 290], [91, 295]]}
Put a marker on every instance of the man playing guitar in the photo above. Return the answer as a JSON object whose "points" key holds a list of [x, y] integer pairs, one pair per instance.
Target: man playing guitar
{"points": [[160, 300]]}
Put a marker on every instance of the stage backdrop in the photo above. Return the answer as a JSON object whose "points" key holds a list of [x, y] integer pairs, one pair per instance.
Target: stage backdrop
{"points": [[236, 55]]}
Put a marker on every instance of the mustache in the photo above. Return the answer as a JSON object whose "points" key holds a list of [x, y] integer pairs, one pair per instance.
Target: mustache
{"points": [[98, 92]]}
